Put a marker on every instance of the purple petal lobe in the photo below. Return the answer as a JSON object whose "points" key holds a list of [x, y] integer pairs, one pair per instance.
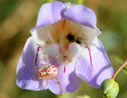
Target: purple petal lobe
{"points": [[49, 13], [81, 15], [26, 77], [68, 80], [102, 68]]}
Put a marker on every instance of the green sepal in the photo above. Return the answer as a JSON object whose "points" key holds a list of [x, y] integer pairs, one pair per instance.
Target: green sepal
{"points": [[109, 88]]}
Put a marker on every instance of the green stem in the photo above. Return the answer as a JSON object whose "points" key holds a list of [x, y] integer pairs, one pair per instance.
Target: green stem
{"points": [[50, 0], [119, 69], [80, 1]]}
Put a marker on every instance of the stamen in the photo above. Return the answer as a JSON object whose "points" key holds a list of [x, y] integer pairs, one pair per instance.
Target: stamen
{"points": [[38, 48], [90, 59], [64, 69]]}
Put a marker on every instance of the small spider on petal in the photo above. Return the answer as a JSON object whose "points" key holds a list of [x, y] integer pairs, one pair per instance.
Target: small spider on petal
{"points": [[48, 71], [63, 49]]}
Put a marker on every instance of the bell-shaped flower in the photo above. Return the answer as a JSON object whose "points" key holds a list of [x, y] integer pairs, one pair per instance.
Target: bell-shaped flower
{"points": [[63, 49]]}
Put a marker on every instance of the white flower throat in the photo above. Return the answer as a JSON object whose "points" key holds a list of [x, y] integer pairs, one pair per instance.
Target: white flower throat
{"points": [[63, 33], [65, 40]]}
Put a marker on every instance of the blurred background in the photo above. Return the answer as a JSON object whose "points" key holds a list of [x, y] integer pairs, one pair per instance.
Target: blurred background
{"points": [[17, 17]]}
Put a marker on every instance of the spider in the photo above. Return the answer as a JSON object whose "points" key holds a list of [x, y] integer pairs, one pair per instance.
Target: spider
{"points": [[48, 71]]}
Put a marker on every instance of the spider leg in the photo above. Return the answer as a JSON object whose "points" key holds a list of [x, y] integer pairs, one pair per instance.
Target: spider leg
{"points": [[45, 55], [46, 58], [62, 34], [58, 82], [62, 38], [59, 85]]}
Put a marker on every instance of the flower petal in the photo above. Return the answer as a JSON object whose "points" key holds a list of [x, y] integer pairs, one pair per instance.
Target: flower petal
{"points": [[68, 80], [102, 68], [82, 15], [26, 77], [49, 13]]}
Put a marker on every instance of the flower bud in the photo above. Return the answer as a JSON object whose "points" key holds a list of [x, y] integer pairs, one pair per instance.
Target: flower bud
{"points": [[109, 88]]}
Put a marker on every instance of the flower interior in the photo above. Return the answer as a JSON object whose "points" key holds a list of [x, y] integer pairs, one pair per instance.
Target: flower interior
{"points": [[63, 33]]}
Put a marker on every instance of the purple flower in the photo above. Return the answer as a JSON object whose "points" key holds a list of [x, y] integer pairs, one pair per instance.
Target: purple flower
{"points": [[65, 38]]}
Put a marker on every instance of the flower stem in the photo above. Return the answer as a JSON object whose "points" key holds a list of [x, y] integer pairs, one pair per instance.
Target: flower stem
{"points": [[50, 0], [119, 69], [80, 1]]}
